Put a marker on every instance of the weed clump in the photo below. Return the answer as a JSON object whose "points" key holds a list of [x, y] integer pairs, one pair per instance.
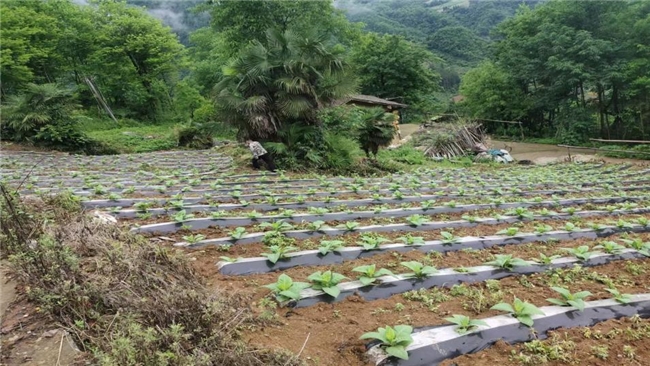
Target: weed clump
{"points": [[126, 301]]}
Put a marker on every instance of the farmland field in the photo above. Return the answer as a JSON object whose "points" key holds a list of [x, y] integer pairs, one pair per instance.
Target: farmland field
{"points": [[324, 260]]}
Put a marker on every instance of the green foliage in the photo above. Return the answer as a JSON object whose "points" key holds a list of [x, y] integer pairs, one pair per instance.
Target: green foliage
{"points": [[286, 289], [369, 273], [418, 269], [506, 261], [327, 282], [393, 340], [568, 299], [464, 323], [521, 310]]}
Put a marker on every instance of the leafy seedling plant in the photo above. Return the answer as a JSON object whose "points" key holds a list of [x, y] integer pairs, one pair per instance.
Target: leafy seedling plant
{"points": [[618, 296], [278, 252], [582, 252], [316, 225], [349, 226], [520, 212], [610, 247], [465, 324], [542, 229], [277, 226], [193, 239], [327, 282], [521, 310], [416, 220], [544, 259], [408, 239], [568, 299], [393, 340], [286, 289], [511, 231], [369, 274], [449, 238], [181, 216], [329, 246], [238, 233], [638, 245], [418, 269], [371, 242], [506, 261]]}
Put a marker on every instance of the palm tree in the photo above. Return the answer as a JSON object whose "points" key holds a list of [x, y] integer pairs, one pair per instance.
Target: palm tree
{"points": [[38, 106], [376, 130], [281, 81]]}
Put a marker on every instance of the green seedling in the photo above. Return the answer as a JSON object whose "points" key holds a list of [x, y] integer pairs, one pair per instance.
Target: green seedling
{"points": [[618, 296], [582, 252], [643, 221], [506, 261], [521, 310], [316, 225], [622, 224], [327, 282], [470, 218], [638, 245], [544, 259], [428, 204], [465, 324], [569, 226], [371, 242], [408, 239], [318, 210], [369, 273], [393, 340], [542, 229], [217, 214], [610, 247], [570, 210], [449, 238], [511, 231], [277, 226], [143, 206], [546, 212], [418, 269], [278, 252], [520, 212], [451, 204], [253, 215], [329, 246], [349, 226], [238, 233], [416, 220], [287, 213], [181, 216], [595, 226], [286, 289], [194, 238], [568, 299]]}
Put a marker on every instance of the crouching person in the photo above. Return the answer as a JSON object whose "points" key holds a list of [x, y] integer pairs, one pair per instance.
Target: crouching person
{"points": [[259, 153]]}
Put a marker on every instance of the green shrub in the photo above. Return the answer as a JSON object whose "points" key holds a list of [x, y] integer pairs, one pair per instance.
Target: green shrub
{"points": [[406, 154], [194, 135]]}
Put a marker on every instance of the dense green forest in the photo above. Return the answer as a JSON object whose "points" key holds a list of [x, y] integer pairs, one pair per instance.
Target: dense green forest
{"points": [[75, 71]]}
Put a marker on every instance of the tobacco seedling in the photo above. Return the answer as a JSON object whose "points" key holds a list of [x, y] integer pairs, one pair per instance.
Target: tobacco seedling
{"points": [[570, 210], [278, 252], [470, 218], [506, 261], [428, 204], [568, 299], [618, 296], [520, 212], [595, 226], [569, 226], [316, 225], [622, 224], [143, 206], [371, 242], [393, 340], [329, 246], [638, 245], [369, 273], [277, 226], [318, 210], [194, 238], [419, 269], [416, 220], [181, 216], [542, 229], [521, 310], [327, 282], [238, 233], [464, 323], [349, 226], [582, 252], [547, 212], [643, 221], [408, 239], [449, 238], [286, 289], [544, 259], [511, 231], [610, 247], [451, 204]]}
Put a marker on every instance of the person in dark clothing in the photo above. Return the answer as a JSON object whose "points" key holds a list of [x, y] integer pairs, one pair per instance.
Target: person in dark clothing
{"points": [[259, 153]]}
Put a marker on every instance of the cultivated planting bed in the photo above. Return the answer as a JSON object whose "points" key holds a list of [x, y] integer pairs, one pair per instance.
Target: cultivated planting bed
{"points": [[412, 269]]}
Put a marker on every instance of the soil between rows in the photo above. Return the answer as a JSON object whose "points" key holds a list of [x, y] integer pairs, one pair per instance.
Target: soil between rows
{"points": [[334, 328], [626, 342]]}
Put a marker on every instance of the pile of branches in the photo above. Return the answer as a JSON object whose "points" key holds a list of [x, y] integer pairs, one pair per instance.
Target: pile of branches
{"points": [[449, 140], [126, 301]]}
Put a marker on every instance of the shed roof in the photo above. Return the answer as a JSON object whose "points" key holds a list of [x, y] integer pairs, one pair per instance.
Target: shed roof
{"points": [[369, 99]]}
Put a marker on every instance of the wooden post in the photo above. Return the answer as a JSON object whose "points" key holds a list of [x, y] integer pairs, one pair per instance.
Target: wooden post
{"points": [[521, 128]]}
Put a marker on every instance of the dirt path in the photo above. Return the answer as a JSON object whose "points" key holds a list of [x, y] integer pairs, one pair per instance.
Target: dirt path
{"points": [[28, 337]]}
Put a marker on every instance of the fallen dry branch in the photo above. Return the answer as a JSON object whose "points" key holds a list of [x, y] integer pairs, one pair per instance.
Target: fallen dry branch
{"points": [[449, 140]]}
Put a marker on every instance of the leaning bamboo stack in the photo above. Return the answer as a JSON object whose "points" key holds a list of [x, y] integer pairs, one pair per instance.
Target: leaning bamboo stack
{"points": [[449, 140]]}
